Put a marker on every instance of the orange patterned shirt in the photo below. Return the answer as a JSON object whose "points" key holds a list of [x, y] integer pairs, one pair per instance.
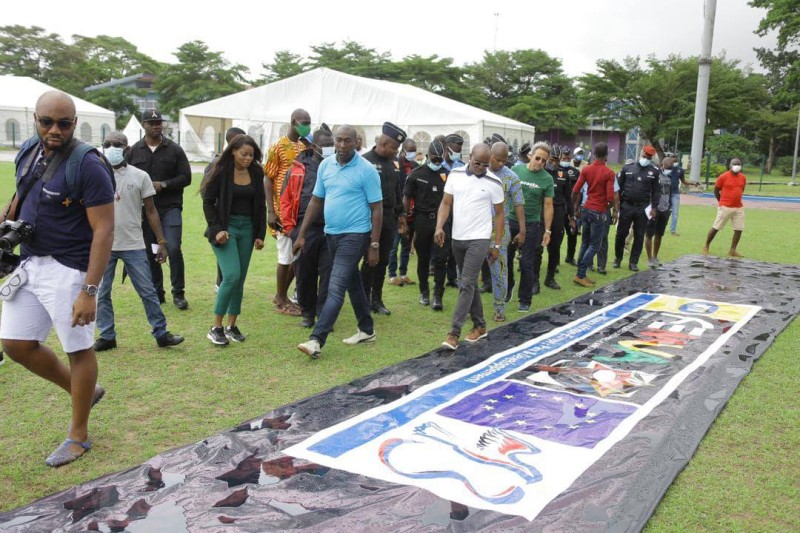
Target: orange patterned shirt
{"points": [[279, 161]]}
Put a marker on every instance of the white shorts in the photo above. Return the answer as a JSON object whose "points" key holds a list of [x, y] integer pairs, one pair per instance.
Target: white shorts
{"points": [[285, 255], [45, 302], [734, 214]]}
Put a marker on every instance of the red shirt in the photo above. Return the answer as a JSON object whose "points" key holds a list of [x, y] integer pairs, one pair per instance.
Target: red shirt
{"points": [[600, 179], [731, 189]]}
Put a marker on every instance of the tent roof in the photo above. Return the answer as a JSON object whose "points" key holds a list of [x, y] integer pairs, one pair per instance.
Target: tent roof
{"points": [[337, 98], [20, 92]]}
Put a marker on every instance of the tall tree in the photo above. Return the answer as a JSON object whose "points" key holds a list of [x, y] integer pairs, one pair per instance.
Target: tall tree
{"points": [[28, 51], [200, 75], [284, 65], [776, 126], [352, 58], [527, 85], [658, 97], [117, 99], [437, 75]]}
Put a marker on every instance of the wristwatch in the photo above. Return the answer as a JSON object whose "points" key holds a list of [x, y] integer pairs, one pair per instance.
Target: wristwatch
{"points": [[375, 245], [496, 246], [91, 290], [548, 231]]}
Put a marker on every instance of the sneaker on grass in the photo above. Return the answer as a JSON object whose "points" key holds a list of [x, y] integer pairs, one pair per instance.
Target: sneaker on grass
{"points": [[217, 336], [359, 338]]}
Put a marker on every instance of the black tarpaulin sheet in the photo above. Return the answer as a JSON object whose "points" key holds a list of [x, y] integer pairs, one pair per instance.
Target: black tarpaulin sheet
{"points": [[240, 479]]}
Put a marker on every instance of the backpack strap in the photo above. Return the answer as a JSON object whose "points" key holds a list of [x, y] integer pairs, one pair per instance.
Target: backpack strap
{"points": [[74, 177]]}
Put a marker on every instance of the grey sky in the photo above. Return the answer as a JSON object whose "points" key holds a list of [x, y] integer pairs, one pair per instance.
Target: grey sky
{"points": [[578, 32]]}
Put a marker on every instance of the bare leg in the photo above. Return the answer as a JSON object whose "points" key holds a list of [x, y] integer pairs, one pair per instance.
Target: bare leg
{"points": [[711, 234], [656, 246], [40, 360], [218, 321], [283, 285], [83, 367], [231, 320], [734, 243], [648, 246]]}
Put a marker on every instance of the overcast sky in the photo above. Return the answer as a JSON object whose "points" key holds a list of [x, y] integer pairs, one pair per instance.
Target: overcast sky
{"points": [[247, 32]]}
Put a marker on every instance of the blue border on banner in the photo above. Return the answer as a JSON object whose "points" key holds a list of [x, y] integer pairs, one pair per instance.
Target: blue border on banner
{"points": [[362, 432]]}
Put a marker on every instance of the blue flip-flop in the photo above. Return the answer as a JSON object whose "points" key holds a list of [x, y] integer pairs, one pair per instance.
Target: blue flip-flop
{"points": [[63, 455]]}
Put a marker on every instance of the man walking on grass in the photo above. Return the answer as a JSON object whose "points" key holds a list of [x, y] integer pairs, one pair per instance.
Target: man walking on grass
{"points": [[728, 190]]}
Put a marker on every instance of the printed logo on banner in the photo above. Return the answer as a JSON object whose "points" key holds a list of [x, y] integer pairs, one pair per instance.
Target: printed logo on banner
{"points": [[514, 431]]}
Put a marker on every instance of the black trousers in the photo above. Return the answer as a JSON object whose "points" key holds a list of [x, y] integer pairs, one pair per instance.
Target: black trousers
{"points": [[572, 238], [556, 238], [312, 272], [630, 214], [375, 276], [428, 251]]}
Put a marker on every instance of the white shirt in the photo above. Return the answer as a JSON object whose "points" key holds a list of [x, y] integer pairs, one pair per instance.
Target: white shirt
{"points": [[473, 198], [133, 186]]}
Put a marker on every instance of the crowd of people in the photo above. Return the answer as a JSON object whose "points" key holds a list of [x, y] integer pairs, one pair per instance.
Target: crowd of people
{"points": [[340, 216]]}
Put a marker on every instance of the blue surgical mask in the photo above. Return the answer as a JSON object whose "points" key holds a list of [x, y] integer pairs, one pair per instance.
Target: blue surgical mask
{"points": [[644, 162], [115, 155], [455, 156], [410, 156], [667, 171], [328, 151], [565, 164], [579, 157], [434, 166]]}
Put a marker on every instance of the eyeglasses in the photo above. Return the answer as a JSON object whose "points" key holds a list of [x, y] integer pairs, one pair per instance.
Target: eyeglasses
{"points": [[480, 164], [14, 281], [63, 123], [115, 144]]}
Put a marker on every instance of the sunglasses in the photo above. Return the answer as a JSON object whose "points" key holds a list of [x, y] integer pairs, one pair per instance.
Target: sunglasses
{"points": [[12, 282], [480, 164], [539, 158], [115, 144], [63, 123], [437, 160]]}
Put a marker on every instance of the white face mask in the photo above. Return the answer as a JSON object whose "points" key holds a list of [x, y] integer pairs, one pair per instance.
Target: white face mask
{"points": [[410, 156], [736, 168], [115, 155], [455, 156], [328, 151]]}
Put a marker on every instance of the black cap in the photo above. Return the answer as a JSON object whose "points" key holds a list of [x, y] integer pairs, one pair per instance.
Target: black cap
{"points": [[454, 138], [487, 141], [151, 115], [437, 149], [497, 138], [393, 132], [525, 148]]}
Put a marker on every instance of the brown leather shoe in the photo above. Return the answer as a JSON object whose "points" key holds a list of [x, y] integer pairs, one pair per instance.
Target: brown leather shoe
{"points": [[583, 282], [398, 281], [476, 334], [451, 342], [408, 281]]}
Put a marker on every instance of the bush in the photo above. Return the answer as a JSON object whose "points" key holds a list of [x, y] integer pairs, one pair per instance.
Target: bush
{"points": [[784, 165]]}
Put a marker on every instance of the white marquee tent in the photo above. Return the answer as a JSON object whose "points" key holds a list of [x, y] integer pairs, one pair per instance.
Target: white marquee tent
{"points": [[18, 97], [336, 98]]}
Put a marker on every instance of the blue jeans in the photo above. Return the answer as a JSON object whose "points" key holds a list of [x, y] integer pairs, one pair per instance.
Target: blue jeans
{"points": [[172, 225], [595, 224], [138, 270], [405, 253], [676, 202], [347, 250]]}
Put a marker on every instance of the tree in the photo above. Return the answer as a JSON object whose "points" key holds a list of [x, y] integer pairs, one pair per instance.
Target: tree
{"points": [[527, 85], [659, 97], [200, 75], [729, 145], [352, 58], [437, 75], [117, 99], [284, 65], [28, 51]]}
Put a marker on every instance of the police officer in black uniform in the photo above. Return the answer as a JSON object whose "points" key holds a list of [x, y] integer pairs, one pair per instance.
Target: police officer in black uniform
{"points": [[383, 157], [571, 221], [638, 188], [425, 186], [564, 178]]}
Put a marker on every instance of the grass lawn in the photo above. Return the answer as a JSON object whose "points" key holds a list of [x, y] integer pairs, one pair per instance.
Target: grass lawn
{"points": [[744, 476]]}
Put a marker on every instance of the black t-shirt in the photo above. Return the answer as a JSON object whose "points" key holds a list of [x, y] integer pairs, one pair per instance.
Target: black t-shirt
{"points": [[426, 188], [242, 203]]}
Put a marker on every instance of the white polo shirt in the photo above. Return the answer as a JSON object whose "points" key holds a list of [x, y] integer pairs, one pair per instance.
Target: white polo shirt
{"points": [[473, 198]]}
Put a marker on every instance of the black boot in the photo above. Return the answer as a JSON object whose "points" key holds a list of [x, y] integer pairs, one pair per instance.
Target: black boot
{"points": [[551, 283], [424, 297], [437, 299]]}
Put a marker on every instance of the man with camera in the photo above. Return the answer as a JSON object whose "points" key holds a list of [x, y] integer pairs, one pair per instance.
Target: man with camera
{"points": [[69, 203]]}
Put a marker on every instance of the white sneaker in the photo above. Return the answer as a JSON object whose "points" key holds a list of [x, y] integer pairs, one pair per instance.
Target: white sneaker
{"points": [[310, 348], [359, 337]]}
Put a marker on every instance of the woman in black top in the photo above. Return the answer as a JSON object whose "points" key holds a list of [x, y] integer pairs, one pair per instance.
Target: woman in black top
{"points": [[234, 204]]}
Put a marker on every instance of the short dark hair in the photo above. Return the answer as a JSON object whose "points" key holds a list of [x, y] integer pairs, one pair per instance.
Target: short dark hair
{"points": [[601, 150], [233, 132]]}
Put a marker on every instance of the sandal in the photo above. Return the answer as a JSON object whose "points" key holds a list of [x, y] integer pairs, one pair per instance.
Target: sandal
{"points": [[63, 455], [99, 392], [289, 309]]}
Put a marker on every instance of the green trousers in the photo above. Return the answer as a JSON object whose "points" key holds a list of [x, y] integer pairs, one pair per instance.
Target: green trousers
{"points": [[233, 259]]}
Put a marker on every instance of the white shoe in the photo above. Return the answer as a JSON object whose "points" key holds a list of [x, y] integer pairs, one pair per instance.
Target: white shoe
{"points": [[359, 337], [310, 348]]}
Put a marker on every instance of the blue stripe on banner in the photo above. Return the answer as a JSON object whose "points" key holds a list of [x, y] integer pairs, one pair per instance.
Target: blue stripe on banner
{"points": [[364, 431]]}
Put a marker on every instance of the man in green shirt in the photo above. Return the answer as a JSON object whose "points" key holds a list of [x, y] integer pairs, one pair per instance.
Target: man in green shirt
{"points": [[538, 191]]}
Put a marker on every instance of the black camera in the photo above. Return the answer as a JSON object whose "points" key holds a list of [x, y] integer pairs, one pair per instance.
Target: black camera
{"points": [[12, 234]]}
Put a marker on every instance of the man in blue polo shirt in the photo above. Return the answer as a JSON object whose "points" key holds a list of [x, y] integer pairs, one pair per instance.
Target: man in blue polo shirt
{"points": [[62, 277], [348, 188]]}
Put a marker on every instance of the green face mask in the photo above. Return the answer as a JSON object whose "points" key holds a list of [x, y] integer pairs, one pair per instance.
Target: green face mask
{"points": [[303, 129]]}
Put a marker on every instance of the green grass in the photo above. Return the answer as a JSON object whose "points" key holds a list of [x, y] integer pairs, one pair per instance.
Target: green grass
{"points": [[743, 476]]}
